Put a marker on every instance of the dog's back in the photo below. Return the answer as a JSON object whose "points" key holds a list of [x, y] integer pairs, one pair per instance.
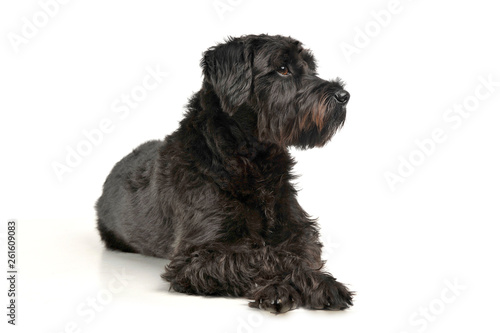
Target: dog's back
{"points": [[125, 207]]}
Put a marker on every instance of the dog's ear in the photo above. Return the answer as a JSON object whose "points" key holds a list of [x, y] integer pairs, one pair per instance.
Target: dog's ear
{"points": [[228, 69]]}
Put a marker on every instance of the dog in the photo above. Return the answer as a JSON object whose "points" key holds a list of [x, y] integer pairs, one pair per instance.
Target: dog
{"points": [[215, 197]]}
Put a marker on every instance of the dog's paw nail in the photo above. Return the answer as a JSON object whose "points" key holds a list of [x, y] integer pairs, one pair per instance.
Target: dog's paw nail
{"points": [[276, 301]]}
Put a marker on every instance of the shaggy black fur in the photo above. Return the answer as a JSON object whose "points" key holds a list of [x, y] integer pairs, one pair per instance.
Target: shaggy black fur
{"points": [[215, 197]]}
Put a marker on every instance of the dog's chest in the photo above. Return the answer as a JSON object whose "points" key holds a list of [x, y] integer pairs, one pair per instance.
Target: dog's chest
{"points": [[262, 193]]}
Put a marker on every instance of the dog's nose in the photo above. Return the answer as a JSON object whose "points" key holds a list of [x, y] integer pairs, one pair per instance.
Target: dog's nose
{"points": [[342, 96]]}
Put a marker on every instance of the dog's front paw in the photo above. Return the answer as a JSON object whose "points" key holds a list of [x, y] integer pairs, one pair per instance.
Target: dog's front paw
{"points": [[276, 298], [330, 295]]}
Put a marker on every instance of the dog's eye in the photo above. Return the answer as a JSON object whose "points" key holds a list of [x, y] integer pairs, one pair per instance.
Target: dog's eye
{"points": [[283, 70]]}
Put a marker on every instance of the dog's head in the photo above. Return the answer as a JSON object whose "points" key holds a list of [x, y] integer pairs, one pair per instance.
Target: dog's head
{"points": [[275, 77]]}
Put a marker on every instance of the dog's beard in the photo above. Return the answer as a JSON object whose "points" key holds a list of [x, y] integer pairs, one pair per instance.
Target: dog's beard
{"points": [[309, 120]]}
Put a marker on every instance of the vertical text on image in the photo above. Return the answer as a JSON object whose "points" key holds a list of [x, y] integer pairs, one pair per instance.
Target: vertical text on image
{"points": [[12, 286]]}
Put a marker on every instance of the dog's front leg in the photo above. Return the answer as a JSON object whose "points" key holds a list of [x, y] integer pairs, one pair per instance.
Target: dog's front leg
{"points": [[213, 270], [296, 262], [296, 282]]}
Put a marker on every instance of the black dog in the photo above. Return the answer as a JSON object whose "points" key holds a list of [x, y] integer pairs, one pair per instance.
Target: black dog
{"points": [[215, 197]]}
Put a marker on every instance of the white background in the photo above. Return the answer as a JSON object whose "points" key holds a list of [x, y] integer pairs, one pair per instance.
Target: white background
{"points": [[399, 249]]}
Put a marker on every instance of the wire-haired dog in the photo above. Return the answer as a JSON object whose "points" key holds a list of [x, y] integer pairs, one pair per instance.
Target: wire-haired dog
{"points": [[215, 197]]}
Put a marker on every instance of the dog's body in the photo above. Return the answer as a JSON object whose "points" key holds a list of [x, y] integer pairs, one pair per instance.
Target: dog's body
{"points": [[215, 196]]}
